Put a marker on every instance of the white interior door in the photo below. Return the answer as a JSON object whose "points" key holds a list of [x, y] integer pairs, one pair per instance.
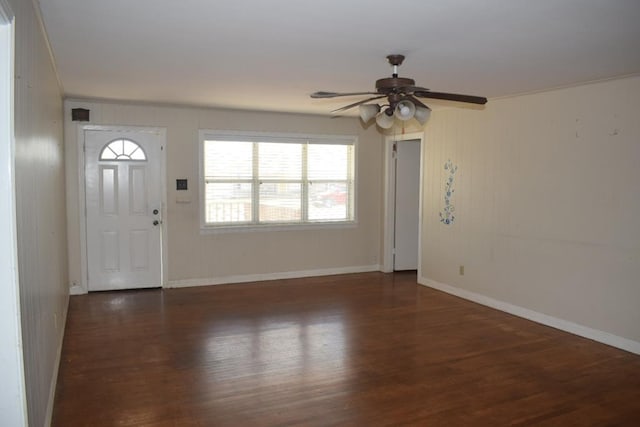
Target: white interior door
{"points": [[407, 205], [124, 209]]}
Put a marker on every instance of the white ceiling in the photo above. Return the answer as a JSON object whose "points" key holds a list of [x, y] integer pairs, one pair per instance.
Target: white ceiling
{"points": [[271, 54]]}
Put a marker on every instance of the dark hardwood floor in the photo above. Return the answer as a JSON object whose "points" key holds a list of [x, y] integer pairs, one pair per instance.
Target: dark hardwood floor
{"points": [[366, 349]]}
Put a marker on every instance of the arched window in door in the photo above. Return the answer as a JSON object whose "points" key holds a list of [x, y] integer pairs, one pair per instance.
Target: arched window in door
{"points": [[123, 149]]}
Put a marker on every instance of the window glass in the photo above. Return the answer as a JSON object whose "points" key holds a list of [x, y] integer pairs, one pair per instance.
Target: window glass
{"points": [[280, 161], [122, 149], [328, 161], [228, 202], [328, 201], [228, 159], [254, 180], [280, 202]]}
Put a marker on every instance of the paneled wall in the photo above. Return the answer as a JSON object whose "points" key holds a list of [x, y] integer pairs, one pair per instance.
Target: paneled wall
{"points": [[547, 201], [40, 210], [194, 258]]}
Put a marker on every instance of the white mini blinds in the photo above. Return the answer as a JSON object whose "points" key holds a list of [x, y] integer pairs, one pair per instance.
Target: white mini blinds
{"points": [[253, 179], [123, 149]]}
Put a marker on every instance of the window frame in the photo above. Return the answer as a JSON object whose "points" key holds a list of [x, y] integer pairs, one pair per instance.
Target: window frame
{"points": [[256, 137]]}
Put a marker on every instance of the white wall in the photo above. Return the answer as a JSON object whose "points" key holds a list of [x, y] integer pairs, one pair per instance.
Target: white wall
{"points": [[195, 258], [547, 201], [40, 211], [13, 405]]}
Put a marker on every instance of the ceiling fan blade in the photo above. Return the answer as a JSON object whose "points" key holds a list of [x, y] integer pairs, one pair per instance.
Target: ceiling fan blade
{"points": [[355, 104], [323, 94], [452, 97], [412, 89], [415, 101]]}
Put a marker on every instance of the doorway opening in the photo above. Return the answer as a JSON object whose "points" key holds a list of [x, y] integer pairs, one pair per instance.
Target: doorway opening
{"points": [[403, 203]]}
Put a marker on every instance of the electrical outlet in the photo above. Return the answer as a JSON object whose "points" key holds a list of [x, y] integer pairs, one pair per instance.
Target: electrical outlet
{"points": [[461, 270]]}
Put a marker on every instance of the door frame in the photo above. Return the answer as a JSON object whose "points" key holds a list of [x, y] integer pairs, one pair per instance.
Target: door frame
{"points": [[84, 259], [389, 199]]}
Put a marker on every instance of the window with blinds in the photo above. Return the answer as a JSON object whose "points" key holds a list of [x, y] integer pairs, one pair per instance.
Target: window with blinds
{"points": [[265, 179]]}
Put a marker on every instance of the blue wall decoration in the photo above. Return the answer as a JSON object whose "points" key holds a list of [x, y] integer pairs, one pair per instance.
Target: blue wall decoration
{"points": [[446, 215]]}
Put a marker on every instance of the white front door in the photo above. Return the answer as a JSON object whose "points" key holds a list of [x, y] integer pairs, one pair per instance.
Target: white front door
{"points": [[407, 205], [124, 209]]}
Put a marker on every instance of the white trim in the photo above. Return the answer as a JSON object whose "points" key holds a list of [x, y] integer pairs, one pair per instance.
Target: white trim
{"points": [[296, 138], [84, 275], [77, 289], [389, 211], [328, 225], [271, 276], [389, 197], [554, 322], [82, 287], [56, 367]]}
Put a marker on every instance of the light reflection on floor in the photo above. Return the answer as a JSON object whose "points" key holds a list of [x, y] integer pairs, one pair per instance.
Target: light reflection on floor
{"points": [[277, 351]]}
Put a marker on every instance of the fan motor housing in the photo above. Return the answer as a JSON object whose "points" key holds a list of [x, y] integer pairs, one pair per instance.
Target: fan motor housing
{"points": [[391, 84]]}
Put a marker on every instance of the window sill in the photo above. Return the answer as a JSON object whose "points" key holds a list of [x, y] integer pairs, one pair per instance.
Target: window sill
{"points": [[223, 229]]}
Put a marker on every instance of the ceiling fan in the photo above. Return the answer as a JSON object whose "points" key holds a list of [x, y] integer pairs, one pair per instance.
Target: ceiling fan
{"points": [[401, 94]]}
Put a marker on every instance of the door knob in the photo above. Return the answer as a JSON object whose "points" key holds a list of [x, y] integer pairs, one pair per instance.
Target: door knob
{"points": [[156, 222], [156, 211]]}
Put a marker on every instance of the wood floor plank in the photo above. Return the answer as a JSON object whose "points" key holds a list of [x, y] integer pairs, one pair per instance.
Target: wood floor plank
{"points": [[366, 349]]}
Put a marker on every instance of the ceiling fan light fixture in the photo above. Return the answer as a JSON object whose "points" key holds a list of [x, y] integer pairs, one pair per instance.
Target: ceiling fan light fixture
{"points": [[368, 111], [384, 120], [422, 114], [402, 99], [405, 110]]}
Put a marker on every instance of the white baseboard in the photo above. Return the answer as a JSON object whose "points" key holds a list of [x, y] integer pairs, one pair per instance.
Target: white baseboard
{"points": [[77, 290], [270, 276], [56, 367], [554, 322]]}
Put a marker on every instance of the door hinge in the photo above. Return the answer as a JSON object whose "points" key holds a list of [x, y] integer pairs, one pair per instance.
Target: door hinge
{"points": [[394, 150]]}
